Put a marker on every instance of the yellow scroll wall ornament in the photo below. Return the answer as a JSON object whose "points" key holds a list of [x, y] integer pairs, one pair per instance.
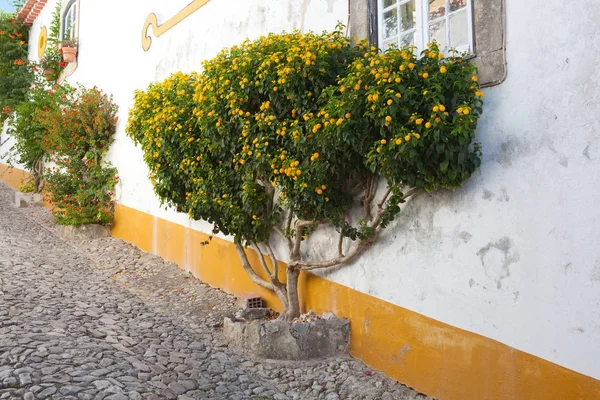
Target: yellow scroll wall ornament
{"points": [[158, 30], [42, 42]]}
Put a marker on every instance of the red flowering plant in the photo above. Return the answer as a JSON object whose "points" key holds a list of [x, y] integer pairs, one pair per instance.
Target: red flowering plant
{"points": [[79, 134], [16, 74], [52, 64]]}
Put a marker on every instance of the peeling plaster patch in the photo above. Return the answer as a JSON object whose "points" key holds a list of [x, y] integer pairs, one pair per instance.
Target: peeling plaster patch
{"points": [[586, 152], [502, 197], [568, 267], [465, 236], [400, 358], [262, 16], [471, 282], [405, 350], [564, 161], [496, 258], [591, 151], [330, 4], [303, 11], [595, 277], [461, 237], [579, 329], [487, 195], [516, 296], [511, 150]]}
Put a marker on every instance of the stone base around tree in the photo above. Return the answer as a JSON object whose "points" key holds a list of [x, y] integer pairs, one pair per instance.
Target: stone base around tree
{"points": [[23, 200], [280, 340], [84, 232]]}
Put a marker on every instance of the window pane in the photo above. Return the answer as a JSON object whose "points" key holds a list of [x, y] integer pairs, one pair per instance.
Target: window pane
{"points": [[407, 12], [407, 40], [459, 29], [387, 3], [437, 32], [437, 8], [388, 44], [457, 4], [390, 23]]}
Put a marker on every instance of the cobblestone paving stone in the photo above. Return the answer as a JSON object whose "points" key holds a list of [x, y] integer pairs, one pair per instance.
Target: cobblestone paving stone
{"points": [[103, 320]]}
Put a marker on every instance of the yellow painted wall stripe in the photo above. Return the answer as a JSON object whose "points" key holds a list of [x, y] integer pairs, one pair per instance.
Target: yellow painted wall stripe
{"points": [[433, 357], [13, 177]]}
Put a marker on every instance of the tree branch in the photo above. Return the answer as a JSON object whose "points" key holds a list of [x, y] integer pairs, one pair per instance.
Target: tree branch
{"points": [[270, 191], [369, 196], [286, 239], [288, 219], [362, 245], [263, 262], [275, 274], [412, 192], [250, 271], [377, 220], [295, 254], [387, 194]]}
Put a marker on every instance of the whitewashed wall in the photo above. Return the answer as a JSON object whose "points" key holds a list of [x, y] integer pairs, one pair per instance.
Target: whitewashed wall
{"points": [[513, 255], [6, 143]]}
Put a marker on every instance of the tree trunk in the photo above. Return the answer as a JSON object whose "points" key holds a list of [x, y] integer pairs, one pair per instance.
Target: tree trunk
{"points": [[292, 310], [282, 294], [38, 169]]}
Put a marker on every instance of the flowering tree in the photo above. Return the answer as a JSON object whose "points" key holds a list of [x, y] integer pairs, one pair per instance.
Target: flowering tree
{"points": [[290, 132], [78, 134]]}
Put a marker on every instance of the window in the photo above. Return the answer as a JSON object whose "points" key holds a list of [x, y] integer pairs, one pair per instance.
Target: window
{"points": [[474, 26], [416, 22], [68, 23]]}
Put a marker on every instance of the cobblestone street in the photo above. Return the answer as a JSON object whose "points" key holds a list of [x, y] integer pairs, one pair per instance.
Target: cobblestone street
{"points": [[104, 320]]}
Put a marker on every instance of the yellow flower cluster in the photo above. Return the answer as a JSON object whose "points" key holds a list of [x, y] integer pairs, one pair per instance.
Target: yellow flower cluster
{"points": [[160, 113], [296, 112]]}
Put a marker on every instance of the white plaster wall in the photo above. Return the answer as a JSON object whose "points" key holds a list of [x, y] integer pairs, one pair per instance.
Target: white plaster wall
{"points": [[514, 254], [6, 143]]}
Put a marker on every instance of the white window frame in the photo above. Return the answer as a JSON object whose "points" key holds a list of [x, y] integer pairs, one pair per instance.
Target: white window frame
{"points": [[69, 18], [421, 29]]}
